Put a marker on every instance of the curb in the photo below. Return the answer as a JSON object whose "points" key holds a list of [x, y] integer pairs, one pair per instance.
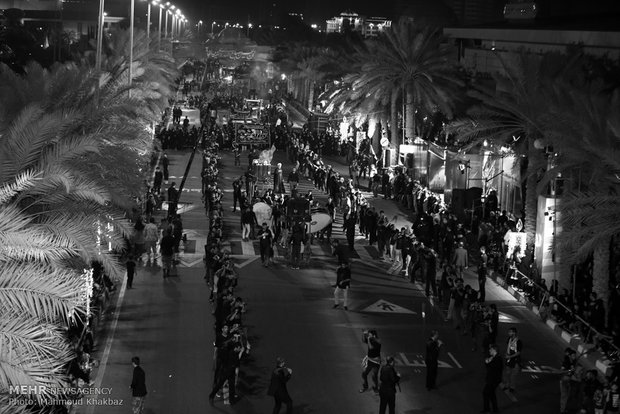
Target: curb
{"points": [[594, 358]]}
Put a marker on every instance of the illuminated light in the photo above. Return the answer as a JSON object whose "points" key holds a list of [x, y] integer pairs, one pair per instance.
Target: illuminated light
{"points": [[314, 26], [87, 295], [485, 143], [283, 76]]}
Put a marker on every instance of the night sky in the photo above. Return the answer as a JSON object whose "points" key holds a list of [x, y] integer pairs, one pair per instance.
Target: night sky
{"points": [[315, 11]]}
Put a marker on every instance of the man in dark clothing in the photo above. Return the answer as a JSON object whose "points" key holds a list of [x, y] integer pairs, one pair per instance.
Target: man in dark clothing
{"points": [[131, 271], [158, 179], [341, 252], [166, 249], [138, 386], [433, 345], [349, 227], [482, 273], [277, 387], [226, 356], [237, 187], [265, 237], [165, 162], [494, 366], [343, 281], [388, 380], [173, 198], [372, 360], [295, 240]]}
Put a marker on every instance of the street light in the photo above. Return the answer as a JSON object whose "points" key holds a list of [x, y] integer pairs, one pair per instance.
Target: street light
{"points": [[212, 24], [161, 7], [101, 20], [131, 21], [166, 25]]}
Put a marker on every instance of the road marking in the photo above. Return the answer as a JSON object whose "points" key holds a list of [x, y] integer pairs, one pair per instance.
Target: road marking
{"points": [[506, 318], [383, 306], [419, 362], [247, 262], [247, 248], [188, 263], [454, 360]]}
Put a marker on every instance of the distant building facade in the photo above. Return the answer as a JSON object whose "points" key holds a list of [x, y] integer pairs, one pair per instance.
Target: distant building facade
{"points": [[482, 48], [365, 26]]}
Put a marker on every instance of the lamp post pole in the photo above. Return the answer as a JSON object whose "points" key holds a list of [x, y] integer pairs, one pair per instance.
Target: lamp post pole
{"points": [[148, 25], [99, 36], [133, 4], [166, 28], [159, 29]]}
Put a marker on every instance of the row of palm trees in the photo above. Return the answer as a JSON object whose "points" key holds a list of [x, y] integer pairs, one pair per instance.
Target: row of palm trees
{"points": [[74, 144], [550, 101]]}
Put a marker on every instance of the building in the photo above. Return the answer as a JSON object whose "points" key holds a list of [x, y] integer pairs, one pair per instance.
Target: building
{"points": [[481, 48], [351, 21], [476, 11]]}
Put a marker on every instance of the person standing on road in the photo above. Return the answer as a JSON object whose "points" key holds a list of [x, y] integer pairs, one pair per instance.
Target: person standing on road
{"points": [[166, 250], [173, 199], [278, 389], [158, 180], [278, 180], [372, 360], [482, 273], [131, 271], [461, 259], [237, 187], [138, 387], [295, 240], [493, 378], [431, 272], [151, 234], [265, 237], [388, 380], [513, 360], [165, 162], [341, 252], [433, 345], [343, 281]]}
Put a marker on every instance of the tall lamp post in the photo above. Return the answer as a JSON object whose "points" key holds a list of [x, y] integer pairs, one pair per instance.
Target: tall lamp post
{"points": [[212, 24], [166, 28], [161, 7], [99, 36], [131, 21], [148, 23]]}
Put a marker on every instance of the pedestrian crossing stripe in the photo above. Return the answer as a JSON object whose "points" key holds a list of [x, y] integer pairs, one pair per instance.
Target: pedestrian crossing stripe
{"points": [[383, 306]]}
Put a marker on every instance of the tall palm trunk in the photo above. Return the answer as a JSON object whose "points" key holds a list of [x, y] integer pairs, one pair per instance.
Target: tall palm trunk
{"points": [[600, 272], [311, 96], [531, 195], [394, 135], [410, 111]]}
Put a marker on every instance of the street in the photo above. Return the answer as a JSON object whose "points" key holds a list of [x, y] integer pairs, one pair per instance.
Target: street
{"points": [[168, 324]]}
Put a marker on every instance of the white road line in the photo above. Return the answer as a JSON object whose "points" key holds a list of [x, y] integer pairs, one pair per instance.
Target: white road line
{"points": [[247, 248], [454, 360], [108, 345]]}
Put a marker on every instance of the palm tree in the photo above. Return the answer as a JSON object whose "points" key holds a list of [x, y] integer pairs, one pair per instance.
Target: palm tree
{"points": [[587, 140], [71, 146], [414, 62], [518, 118]]}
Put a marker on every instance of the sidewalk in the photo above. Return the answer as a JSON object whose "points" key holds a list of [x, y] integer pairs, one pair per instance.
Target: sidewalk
{"points": [[495, 282]]}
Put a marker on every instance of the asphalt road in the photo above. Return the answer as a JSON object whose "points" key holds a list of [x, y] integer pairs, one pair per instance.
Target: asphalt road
{"points": [[169, 325]]}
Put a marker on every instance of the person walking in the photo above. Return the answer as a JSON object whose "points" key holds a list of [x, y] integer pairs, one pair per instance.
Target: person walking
{"points": [[513, 360], [482, 273], [372, 361], [165, 162], [295, 241], [138, 387], [343, 282], [131, 271], [461, 259], [388, 380], [493, 378], [278, 389], [151, 235], [433, 345]]}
